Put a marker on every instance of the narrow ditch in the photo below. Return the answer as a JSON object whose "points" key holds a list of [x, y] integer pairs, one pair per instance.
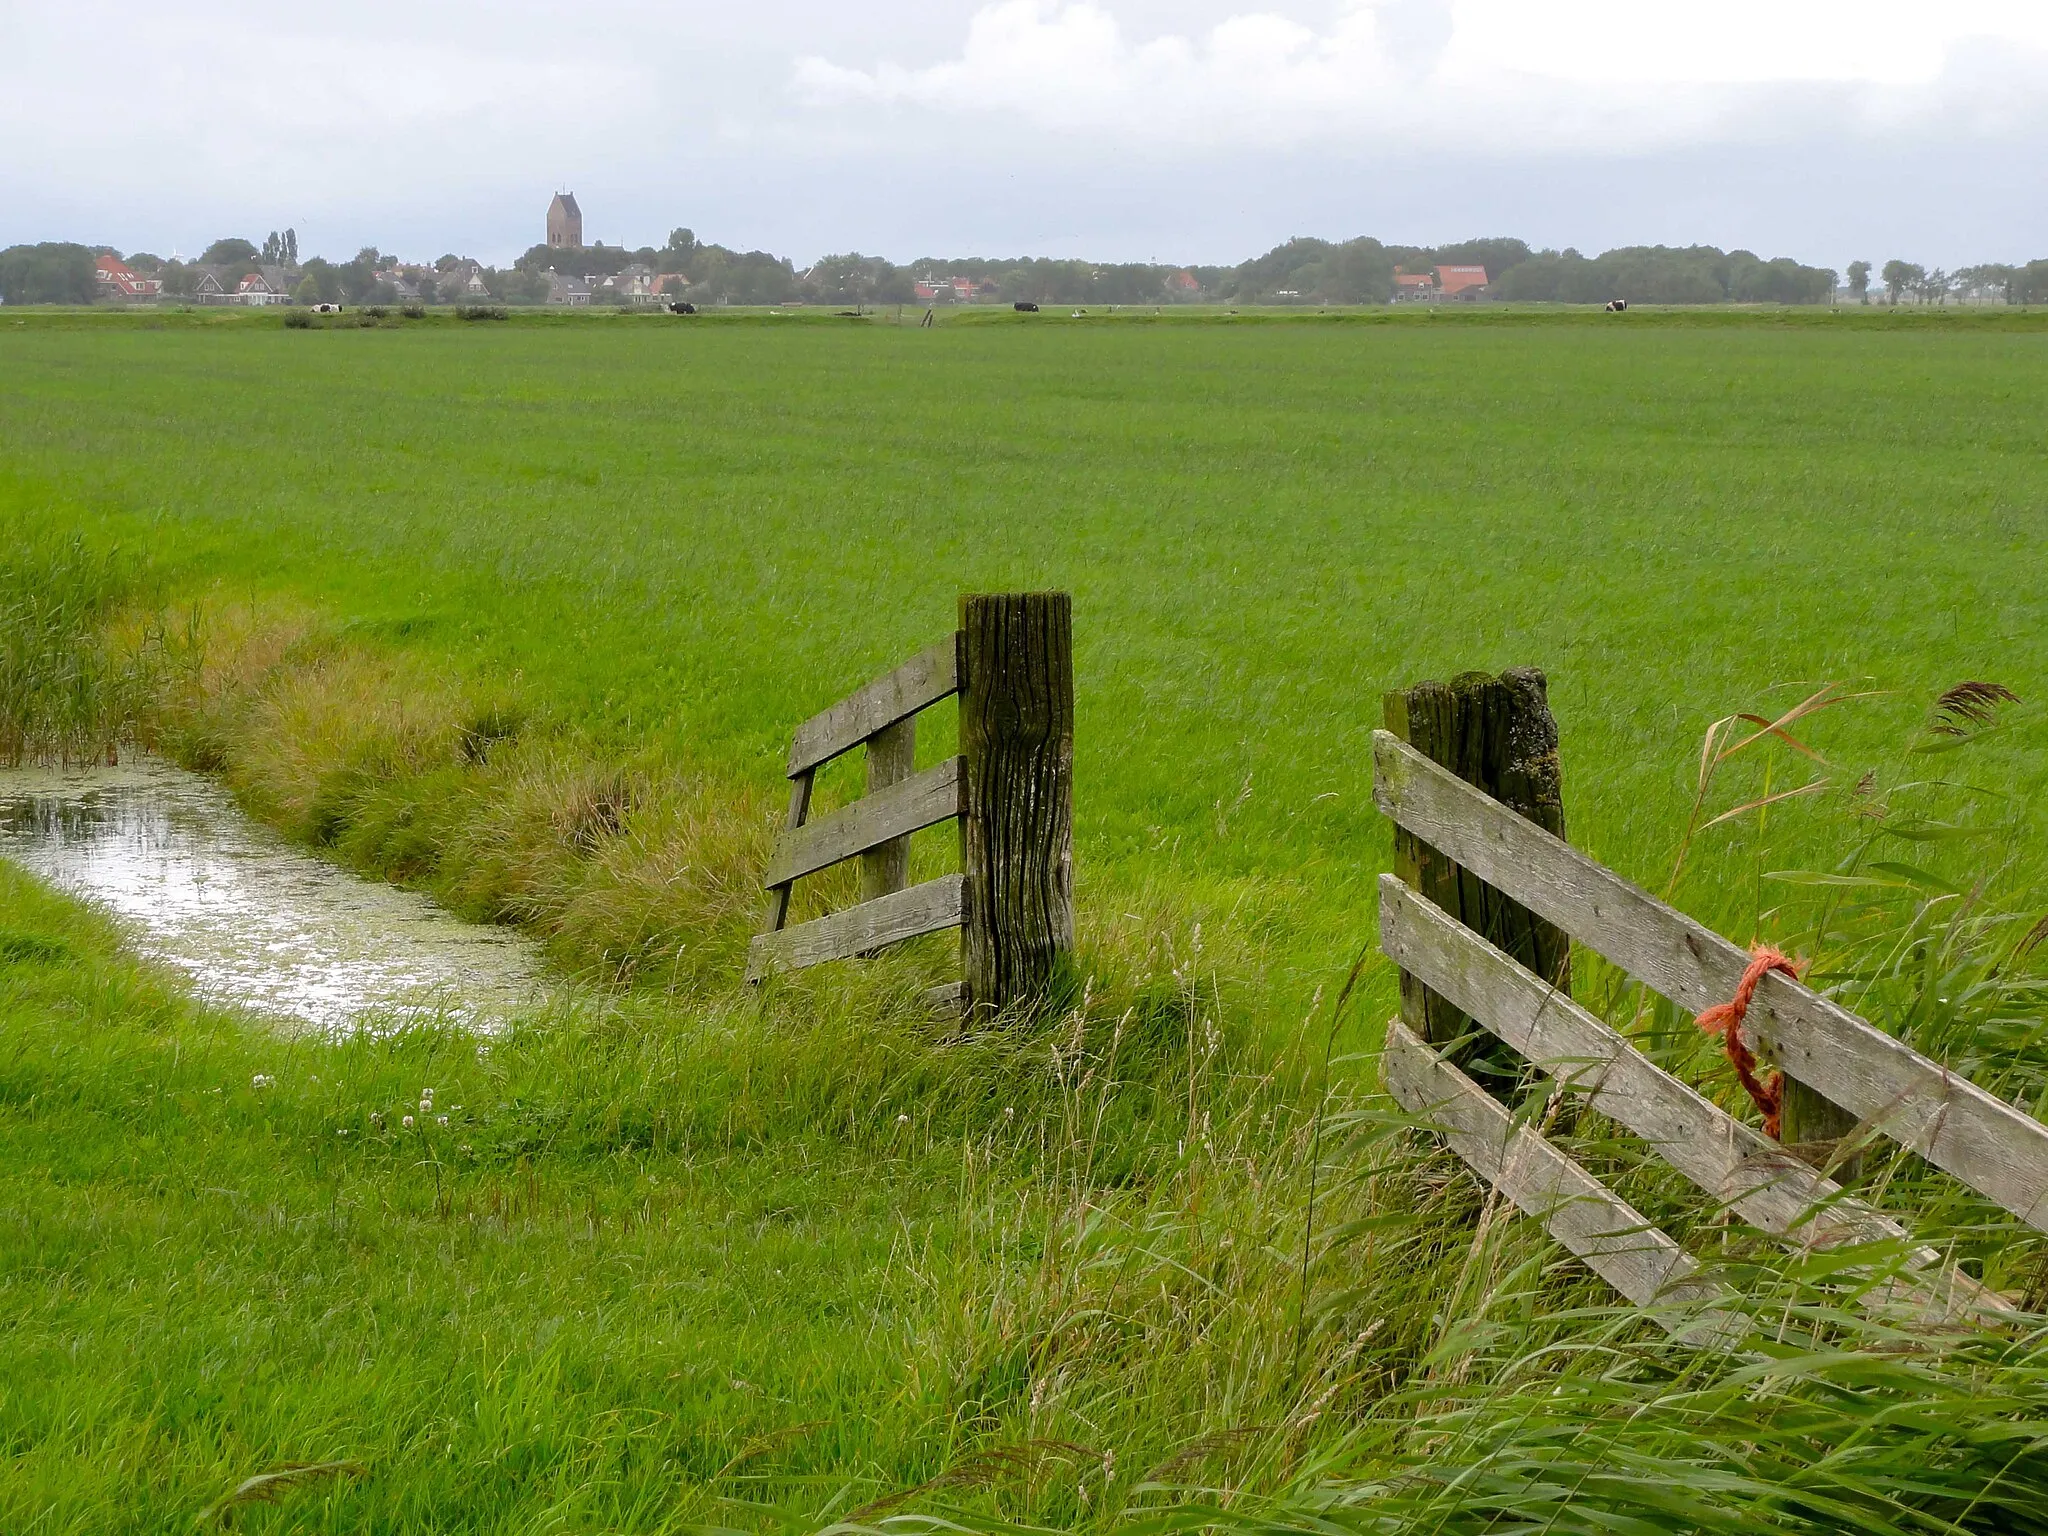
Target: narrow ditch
{"points": [[252, 921]]}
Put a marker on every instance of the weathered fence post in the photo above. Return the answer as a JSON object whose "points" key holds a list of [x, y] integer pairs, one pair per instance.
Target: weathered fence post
{"points": [[1496, 733], [1811, 1126], [1017, 808]]}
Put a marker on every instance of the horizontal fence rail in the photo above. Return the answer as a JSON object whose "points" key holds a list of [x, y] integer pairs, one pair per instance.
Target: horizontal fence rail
{"points": [[1734, 1166], [909, 805], [919, 683], [927, 908], [1617, 1242], [1956, 1125]]}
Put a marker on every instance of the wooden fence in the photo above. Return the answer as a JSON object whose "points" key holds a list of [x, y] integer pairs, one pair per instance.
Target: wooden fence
{"points": [[1010, 787], [1508, 882]]}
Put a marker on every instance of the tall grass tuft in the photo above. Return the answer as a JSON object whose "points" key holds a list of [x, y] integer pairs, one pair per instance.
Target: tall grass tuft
{"points": [[68, 690]]}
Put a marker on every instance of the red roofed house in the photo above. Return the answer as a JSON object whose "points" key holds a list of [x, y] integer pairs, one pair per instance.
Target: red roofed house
{"points": [[1413, 287], [117, 280], [1461, 282], [256, 288], [946, 290], [1184, 283]]}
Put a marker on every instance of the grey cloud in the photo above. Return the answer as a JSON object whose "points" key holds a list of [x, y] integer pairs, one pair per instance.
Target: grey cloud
{"points": [[453, 136]]}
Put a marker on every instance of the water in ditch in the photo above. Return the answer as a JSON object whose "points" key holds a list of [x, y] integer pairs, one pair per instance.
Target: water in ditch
{"points": [[252, 921]]}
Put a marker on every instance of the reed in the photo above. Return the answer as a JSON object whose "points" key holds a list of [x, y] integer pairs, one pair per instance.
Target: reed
{"points": [[67, 690]]}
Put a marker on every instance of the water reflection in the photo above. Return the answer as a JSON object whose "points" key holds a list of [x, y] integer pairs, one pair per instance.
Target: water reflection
{"points": [[250, 919]]}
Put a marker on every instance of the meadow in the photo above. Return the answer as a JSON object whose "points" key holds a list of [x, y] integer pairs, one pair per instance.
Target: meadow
{"points": [[523, 613]]}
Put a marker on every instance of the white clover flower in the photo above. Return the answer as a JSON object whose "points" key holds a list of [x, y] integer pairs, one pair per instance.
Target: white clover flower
{"points": [[1009, 1112], [426, 1106], [903, 1119], [260, 1081], [406, 1122], [342, 1132], [442, 1121]]}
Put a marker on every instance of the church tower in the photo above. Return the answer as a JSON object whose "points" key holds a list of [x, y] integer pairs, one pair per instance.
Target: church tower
{"points": [[565, 223]]}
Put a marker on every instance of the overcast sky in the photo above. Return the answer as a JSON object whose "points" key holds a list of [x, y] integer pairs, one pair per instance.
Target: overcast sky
{"points": [[1198, 130]]}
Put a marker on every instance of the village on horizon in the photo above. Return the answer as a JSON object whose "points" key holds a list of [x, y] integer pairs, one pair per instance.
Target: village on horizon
{"points": [[565, 270]]}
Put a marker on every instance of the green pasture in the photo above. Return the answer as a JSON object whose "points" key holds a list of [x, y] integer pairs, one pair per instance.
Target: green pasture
{"points": [[686, 1261], [697, 535]]}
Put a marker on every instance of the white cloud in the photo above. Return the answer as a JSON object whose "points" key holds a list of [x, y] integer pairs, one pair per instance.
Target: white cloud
{"points": [[1486, 77]]}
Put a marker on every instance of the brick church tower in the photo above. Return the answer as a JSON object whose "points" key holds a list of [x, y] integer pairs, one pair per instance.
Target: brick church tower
{"points": [[565, 223]]}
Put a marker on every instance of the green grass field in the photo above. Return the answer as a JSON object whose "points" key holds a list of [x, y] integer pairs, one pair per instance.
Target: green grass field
{"points": [[694, 1267]]}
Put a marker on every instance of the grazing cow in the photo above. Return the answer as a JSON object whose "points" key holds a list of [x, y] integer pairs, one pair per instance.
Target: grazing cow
{"points": [[1025, 307], [682, 307], [1617, 306]]}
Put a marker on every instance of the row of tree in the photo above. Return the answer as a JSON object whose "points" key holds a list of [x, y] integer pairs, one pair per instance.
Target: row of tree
{"points": [[1906, 281], [1300, 271], [1661, 274]]}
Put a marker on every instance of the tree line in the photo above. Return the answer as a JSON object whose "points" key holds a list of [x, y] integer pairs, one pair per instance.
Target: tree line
{"points": [[1304, 270]]}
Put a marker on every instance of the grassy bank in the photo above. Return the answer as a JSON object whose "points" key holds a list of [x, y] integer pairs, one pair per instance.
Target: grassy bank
{"points": [[635, 1268], [523, 614]]}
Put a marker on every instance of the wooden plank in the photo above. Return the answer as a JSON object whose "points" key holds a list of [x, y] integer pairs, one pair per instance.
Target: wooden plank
{"points": [[1761, 1181], [920, 801], [1954, 1124], [1616, 1241], [777, 912], [923, 908], [924, 679], [946, 997]]}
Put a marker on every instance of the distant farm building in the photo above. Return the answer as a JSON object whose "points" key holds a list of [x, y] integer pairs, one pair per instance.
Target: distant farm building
{"points": [[117, 280], [949, 290], [1461, 282], [1413, 287], [244, 285], [1183, 285], [464, 280], [567, 290], [565, 223], [631, 285], [266, 285]]}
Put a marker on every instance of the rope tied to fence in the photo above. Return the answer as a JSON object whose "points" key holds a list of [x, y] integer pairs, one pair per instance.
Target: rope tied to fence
{"points": [[1725, 1020]]}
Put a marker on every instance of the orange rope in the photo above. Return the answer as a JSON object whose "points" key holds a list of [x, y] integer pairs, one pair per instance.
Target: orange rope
{"points": [[1725, 1020]]}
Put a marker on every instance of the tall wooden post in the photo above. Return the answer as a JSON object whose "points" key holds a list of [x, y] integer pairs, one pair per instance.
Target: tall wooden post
{"points": [[1496, 733], [892, 758], [1017, 805]]}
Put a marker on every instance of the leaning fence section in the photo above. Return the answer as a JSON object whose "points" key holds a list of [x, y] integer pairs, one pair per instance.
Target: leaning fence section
{"points": [[1010, 789], [1478, 917]]}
